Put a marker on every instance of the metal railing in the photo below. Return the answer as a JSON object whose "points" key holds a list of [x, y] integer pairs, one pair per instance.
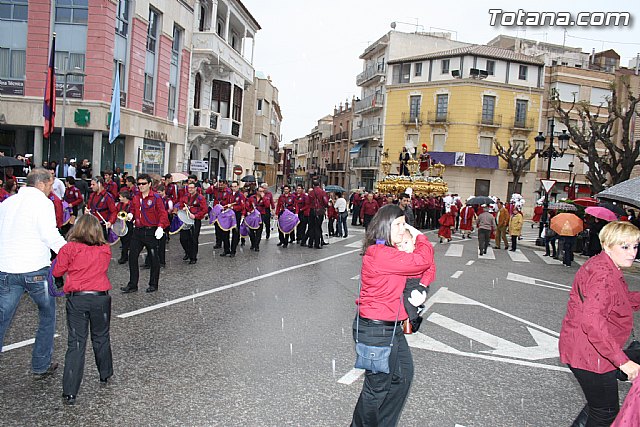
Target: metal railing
{"points": [[438, 117], [487, 120], [411, 119], [369, 103], [371, 72], [366, 132], [526, 124], [369, 162]]}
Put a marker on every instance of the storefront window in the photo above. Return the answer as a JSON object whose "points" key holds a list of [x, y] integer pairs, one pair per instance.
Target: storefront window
{"points": [[111, 152], [152, 157]]}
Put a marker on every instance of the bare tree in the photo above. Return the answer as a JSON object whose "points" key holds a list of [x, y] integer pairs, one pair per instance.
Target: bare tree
{"points": [[516, 157], [610, 159]]}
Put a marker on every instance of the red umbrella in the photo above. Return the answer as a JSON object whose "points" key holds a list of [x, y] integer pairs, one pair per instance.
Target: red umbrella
{"points": [[566, 224], [586, 201], [602, 213]]}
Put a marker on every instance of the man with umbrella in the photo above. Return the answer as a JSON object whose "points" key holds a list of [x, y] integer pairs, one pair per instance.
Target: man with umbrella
{"points": [[567, 226]]}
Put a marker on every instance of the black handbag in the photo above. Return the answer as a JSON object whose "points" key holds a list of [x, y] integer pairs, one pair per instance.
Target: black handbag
{"points": [[632, 351], [370, 357]]}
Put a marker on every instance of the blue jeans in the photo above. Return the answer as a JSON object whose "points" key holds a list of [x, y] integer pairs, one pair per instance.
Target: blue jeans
{"points": [[341, 227], [12, 286]]}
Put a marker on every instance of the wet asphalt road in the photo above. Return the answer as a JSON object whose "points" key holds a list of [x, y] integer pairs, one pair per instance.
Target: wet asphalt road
{"points": [[264, 339]]}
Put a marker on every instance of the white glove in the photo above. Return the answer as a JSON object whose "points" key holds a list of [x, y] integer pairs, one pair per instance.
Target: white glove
{"points": [[159, 233], [417, 297], [129, 216], [412, 230]]}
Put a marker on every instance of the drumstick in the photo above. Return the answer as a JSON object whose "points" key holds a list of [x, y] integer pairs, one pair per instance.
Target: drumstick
{"points": [[101, 217]]}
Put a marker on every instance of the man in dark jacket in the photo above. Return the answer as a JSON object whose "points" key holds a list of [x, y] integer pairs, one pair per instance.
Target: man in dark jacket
{"points": [[319, 202]]}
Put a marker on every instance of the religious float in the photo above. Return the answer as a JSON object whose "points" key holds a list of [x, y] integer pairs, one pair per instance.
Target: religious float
{"points": [[427, 183]]}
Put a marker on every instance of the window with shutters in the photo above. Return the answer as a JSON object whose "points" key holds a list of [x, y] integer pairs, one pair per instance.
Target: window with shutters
{"points": [[220, 97], [237, 104]]}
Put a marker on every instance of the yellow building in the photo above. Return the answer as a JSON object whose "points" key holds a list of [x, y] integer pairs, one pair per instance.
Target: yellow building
{"points": [[458, 102]]}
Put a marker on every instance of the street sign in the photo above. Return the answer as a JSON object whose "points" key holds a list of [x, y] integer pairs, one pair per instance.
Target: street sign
{"points": [[548, 184], [237, 170], [199, 166]]}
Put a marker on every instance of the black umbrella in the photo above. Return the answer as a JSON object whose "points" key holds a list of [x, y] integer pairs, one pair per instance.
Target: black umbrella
{"points": [[8, 162], [334, 189], [626, 192], [480, 200], [248, 178], [616, 209]]}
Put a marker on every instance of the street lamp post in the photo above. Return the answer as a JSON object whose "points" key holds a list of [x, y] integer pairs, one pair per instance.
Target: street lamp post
{"points": [[550, 153], [65, 74], [570, 194]]}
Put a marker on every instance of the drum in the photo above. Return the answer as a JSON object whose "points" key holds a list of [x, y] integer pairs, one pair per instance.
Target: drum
{"points": [[187, 221], [287, 221], [227, 220], [176, 225], [214, 211], [112, 238], [244, 229], [253, 220], [53, 289]]}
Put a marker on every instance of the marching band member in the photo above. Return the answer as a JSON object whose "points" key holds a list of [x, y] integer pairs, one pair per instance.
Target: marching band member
{"points": [[262, 204], [319, 202], [57, 205], [162, 244], [219, 193], [6, 189], [150, 220], [266, 216], [171, 190], [285, 201], [467, 215], [110, 185], [303, 208], [124, 205], [236, 201], [72, 195], [102, 205], [196, 206]]}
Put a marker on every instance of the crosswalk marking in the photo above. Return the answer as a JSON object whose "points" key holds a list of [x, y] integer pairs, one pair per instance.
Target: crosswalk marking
{"points": [[517, 256], [547, 259], [454, 250]]}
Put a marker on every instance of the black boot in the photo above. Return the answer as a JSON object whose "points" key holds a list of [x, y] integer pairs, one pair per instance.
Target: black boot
{"points": [[583, 417]]}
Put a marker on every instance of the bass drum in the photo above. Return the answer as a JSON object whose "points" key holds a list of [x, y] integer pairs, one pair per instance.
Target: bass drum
{"points": [[186, 220]]}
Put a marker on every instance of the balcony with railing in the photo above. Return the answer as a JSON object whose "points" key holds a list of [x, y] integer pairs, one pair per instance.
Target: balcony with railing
{"points": [[411, 119], [336, 167], [365, 162], [205, 119], [487, 120], [365, 132], [437, 117], [219, 52], [523, 124], [376, 70], [370, 103]]}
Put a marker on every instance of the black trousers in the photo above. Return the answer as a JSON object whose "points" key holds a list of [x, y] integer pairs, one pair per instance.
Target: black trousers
{"points": [[431, 219], [219, 234], [230, 247], [126, 241], [550, 246], [189, 239], [383, 395], [601, 392], [332, 230], [84, 313], [144, 237], [314, 234], [567, 247], [302, 229], [514, 242], [484, 238], [355, 217], [255, 236], [266, 224], [162, 248], [367, 220], [284, 238]]}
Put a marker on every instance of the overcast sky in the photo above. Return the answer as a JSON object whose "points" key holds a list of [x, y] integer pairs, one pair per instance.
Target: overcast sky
{"points": [[311, 48]]}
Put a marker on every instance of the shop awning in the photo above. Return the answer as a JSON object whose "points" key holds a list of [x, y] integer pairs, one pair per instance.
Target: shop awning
{"points": [[356, 149]]}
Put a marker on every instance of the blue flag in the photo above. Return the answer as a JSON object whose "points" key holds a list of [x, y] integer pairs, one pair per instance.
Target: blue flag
{"points": [[114, 123]]}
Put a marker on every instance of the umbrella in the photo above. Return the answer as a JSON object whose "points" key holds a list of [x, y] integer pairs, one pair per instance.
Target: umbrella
{"points": [[562, 206], [178, 176], [566, 224], [585, 201], [616, 209], [480, 200], [601, 212], [334, 189], [248, 178], [8, 162], [626, 192]]}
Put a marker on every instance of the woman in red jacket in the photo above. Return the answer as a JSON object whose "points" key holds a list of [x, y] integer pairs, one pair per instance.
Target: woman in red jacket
{"points": [[599, 321], [85, 259], [380, 303]]}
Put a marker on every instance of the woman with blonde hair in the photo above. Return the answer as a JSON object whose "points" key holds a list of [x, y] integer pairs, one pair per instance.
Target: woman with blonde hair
{"points": [[598, 323], [85, 259]]}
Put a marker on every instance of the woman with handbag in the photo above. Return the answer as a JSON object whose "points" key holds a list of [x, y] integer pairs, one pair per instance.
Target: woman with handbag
{"points": [[599, 321], [381, 311]]}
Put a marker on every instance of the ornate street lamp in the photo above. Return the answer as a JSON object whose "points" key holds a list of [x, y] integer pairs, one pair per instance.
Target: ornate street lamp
{"points": [[550, 153], [570, 192]]}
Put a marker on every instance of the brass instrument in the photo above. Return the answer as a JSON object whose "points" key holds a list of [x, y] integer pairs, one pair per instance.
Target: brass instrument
{"points": [[120, 227]]}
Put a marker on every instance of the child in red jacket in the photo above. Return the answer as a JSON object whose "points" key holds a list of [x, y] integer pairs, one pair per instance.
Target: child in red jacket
{"points": [[85, 259]]}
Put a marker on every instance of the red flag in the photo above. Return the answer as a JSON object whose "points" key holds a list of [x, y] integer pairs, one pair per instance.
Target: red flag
{"points": [[49, 107]]}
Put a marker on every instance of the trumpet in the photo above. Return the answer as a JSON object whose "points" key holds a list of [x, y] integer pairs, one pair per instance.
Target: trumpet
{"points": [[120, 227]]}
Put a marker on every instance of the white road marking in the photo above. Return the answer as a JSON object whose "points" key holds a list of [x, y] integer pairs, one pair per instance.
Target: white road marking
{"points": [[579, 261], [355, 277], [356, 244], [490, 254], [547, 259], [456, 274], [533, 281], [351, 376], [517, 256], [454, 250], [22, 344], [229, 286], [470, 262]]}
